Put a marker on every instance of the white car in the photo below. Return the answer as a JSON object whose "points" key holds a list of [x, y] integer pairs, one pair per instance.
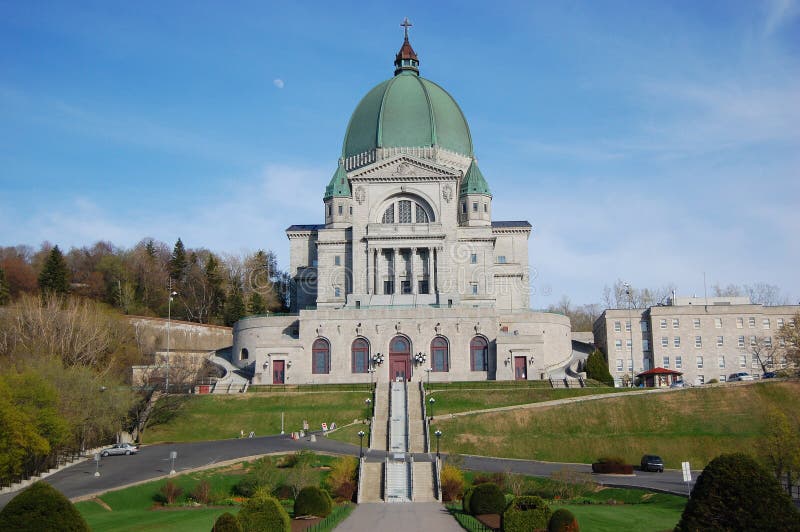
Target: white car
{"points": [[741, 376], [120, 448]]}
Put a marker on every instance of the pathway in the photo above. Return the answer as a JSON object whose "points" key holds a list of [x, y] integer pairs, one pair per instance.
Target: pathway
{"points": [[400, 517]]}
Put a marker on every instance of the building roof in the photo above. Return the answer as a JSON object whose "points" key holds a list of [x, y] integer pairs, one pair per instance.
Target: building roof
{"points": [[659, 371], [520, 223], [338, 186], [305, 227], [407, 111], [474, 182]]}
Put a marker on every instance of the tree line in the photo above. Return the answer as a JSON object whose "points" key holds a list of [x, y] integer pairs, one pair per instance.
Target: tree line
{"points": [[208, 287]]}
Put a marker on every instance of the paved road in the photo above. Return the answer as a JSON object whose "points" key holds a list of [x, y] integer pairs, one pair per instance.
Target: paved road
{"points": [[153, 462], [400, 517]]}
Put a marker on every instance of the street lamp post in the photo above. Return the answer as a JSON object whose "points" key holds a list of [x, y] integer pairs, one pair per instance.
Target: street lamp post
{"points": [[169, 319], [432, 401], [428, 371], [438, 435], [368, 402], [361, 444]]}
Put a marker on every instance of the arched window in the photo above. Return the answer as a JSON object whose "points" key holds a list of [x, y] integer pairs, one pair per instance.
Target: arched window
{"points": [[405, 211], [321, 356], [479, 354], [360, 356], [439, 355], [245, 354], [399, 346]]}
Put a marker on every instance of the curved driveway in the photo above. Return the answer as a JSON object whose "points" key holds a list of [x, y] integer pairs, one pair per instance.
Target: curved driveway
{"points": [[152, 462]]}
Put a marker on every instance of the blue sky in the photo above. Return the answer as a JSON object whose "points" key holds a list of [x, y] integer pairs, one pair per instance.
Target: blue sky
{"points": [[644, 141]]}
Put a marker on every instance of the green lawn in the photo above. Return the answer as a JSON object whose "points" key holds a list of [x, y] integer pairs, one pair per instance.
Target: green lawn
{"points": [[693, 424], [648, 517], [215, 417]]}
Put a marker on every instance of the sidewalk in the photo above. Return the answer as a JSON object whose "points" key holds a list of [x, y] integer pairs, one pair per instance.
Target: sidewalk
{"points": [[400, 517]]}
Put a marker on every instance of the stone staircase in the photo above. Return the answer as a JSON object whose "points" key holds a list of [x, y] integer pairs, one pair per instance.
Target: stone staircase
{"points": [[398, 481], [423, 482], [232, 381], [416, 425], [372, 482], [379, 440]]}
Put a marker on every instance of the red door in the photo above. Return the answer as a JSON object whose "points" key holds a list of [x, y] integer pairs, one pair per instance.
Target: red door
{"points": [[519, 369], [278, 371], [399, 359], [398, 370]]}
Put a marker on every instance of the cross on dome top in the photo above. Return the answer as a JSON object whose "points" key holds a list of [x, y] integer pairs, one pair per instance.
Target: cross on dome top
{"points": [[406, 24], [406, 59]]}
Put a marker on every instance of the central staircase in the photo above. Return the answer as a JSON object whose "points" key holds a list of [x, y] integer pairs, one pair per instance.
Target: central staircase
{"points": [[399, 428]]}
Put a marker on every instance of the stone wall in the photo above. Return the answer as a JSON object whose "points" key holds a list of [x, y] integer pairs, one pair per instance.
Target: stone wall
{"points": [[151, 334]]}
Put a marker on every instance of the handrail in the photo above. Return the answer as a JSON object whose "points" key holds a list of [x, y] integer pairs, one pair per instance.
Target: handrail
{"points": [[408, 441], [386, 479], [389, 421], [425, 422], [410, 471], [360, 484], [438, 479]]}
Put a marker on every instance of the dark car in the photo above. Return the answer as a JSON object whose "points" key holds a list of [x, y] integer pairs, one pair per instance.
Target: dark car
{"points": [[769, 375], [651, 462]]}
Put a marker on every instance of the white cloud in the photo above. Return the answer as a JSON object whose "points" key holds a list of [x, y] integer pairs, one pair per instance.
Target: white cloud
{"points": [[278, 83]]}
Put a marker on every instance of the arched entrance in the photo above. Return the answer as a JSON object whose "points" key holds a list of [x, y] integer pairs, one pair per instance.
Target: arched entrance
{"points": [[399, 359]]}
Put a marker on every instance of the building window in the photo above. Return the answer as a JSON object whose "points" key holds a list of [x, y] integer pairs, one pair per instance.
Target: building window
{"points": [[479, 354], [742, 361], [464, 207], [617, 326], [474, 207], [701, 379], [699, 361], [351, 210], [501, 259], [245, 354], [723, 378], [404, 211], [473, 258], [665, 362], [676, 341], [618, 345], [720, 341], [765, 323], [768, 342], [388, 214], [664, 341], [740, 341], [628, 344], [698, 341], [337, 292], [751, 322], [474, 288], [739, 323], [321, 356], [485, 207], [627, 325], [630, 365], [360, 356], [718, 323], [721, 361], [645, 345], [643, 325], [663, 324], [675, 323], [678, 362], [619, 364], [696, 322], [753, 341], [337, 260], [422, 216], [341, 211], [779, 323], [439, 355]]}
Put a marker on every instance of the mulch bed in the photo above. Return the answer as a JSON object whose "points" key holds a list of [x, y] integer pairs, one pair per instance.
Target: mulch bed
{"points": [[298, 525], [489, 520]]}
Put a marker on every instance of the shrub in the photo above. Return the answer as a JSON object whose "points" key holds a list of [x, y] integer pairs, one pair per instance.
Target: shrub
{"points": [[342, 478], [202, 492], [465, 500], [170, 492], [597, 368], [264, 512], [713, 381], [734, 492], [263, 473], [227, 522], [524, 514], [562, 520], [41, 507], [313, 501], [486, 499], [612, 465], [452, 483]]}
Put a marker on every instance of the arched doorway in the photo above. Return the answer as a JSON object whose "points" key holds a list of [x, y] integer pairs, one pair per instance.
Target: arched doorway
{"points": [[399, 359]]}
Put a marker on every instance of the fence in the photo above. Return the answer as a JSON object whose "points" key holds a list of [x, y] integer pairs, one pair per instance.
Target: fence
{"points": [[301, 388], [338, 515], [467, 521]]}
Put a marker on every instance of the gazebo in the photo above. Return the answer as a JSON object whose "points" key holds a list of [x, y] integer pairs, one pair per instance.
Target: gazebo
{"points": [[659, 377]]}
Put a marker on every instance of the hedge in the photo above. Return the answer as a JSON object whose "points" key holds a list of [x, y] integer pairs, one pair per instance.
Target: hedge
{"points": [[41, 507], [526, 513], [264, 512], [227, 522], [313, 501], [486, 499], [563, 520]]}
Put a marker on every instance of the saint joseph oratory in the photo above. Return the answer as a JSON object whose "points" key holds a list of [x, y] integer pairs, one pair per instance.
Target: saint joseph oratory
{"points": [[409, 277]]}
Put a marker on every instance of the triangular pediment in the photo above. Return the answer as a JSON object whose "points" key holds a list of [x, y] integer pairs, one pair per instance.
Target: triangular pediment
{"points": [[404, 168]]}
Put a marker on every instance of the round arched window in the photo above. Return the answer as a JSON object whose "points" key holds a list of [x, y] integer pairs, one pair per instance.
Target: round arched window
{"points": [[406, 211], [321, 356]]}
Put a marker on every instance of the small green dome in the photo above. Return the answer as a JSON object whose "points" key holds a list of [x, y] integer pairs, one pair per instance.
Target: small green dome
{"points": [[338, 187], [407, 111], [474, 182]]}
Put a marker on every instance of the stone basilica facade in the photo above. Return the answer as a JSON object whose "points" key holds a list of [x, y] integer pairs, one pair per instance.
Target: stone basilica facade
{"points": [[409, 277]]}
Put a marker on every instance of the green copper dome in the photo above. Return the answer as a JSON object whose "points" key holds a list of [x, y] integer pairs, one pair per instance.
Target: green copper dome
{"points": [[338, 187], [474, 182], [407, 111]]}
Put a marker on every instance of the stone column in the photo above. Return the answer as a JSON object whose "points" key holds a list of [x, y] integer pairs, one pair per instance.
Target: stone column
{"points": [[413, 277], [395, 265], [434, 270]]}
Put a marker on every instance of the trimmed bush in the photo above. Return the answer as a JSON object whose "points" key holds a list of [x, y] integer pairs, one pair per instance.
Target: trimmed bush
{"points": [[465, 500], [41, 507], [227, 522], [313, 501], [734, 492], [264, 512], [452, 483], [486, 499], [563, 520], [526, 513]]}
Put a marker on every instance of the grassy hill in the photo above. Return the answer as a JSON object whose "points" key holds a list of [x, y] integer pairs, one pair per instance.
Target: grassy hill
{"points": [[694, 424]]}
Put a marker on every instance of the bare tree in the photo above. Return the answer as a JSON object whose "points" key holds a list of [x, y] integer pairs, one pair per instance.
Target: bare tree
{"points": [[789, 340], [759, 293], [764, 352], [621, 296]]}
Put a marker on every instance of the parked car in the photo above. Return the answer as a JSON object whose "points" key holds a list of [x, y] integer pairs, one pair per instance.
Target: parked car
{"points": [[678, 384], [120, 448], [651, 462], [740, 376], [769, 375]]}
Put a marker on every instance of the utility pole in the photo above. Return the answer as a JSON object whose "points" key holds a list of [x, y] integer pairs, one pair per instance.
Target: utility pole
{"points": [[169, 319]]}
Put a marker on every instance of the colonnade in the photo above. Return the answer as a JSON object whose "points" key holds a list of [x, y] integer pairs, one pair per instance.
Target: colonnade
{"points": [[402, 270]]}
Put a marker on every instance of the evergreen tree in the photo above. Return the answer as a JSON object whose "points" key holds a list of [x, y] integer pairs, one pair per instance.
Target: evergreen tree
{"points": [[215, 284], [150, 248], [597, 368], [54, 278], [5, 295], [234, 308], [178, 263], [257, 305]]}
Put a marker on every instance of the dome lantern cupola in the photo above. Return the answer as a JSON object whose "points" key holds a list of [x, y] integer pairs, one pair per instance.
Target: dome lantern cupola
{"points": [[406, 59]]}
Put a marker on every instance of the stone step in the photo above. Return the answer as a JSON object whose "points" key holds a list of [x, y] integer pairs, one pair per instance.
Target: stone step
{"points": [[397, 482], [379, 441], [372, 483], [423, 482]]}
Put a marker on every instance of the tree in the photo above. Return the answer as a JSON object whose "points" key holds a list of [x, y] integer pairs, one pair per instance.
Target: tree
{"points": [[54, 278], [789, 337], [764, 352], [41, 507], [621, 296], [780, 450], [5, 294], [759, 293], [581, 317], [257, 305], [734, 492], [178, 262], [597, 368], [234, 308]]}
